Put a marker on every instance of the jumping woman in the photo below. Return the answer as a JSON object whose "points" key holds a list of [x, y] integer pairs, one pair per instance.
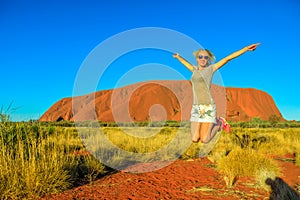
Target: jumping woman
{"points": [[204, 122]]}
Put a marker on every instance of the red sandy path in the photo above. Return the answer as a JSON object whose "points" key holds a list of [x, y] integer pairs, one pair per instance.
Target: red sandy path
{"points": [[290, 172], [181, 180]]}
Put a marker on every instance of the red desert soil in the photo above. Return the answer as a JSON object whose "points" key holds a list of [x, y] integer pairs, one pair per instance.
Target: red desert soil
{"points": [[195, 179]]}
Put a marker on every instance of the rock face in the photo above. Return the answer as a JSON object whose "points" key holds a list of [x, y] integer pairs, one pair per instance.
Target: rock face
{"points": [[159, 101]]}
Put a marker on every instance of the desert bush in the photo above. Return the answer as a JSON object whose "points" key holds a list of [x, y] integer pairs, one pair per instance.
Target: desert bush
{"points": [[247, 140], [297, 157], [30, 165], [247, 163], [84, 168], [36, 160], [274, 119], [248, 152]]}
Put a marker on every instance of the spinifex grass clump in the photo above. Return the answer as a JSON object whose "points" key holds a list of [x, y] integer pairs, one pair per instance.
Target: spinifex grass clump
{"points": [[31, 165], [297, 157], [36, 160], [247, 163]]}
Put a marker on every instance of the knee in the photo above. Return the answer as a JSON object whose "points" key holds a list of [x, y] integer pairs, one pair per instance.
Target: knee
{"points": [[196, 140]]}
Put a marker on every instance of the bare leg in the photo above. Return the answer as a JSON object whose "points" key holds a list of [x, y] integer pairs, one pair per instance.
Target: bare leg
{"points": [[210, 131], [204, 131], [195, 134]]}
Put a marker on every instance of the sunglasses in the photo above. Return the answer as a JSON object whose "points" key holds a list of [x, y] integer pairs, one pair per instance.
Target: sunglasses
{"points": [[205, 57]]}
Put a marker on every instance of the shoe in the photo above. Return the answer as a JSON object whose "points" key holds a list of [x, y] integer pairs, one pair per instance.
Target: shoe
{"points": [[225, 126]]}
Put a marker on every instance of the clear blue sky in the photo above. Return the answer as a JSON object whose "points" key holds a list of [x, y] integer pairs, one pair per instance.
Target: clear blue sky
{"points": [[44, 43]]}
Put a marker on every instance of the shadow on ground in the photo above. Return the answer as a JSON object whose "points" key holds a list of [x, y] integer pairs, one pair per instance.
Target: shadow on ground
{"points": [[281, 190]]}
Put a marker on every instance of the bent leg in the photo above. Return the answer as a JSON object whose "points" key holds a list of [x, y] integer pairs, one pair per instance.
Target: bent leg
{"points": [[208, 131], [204, 131], [195, 131]]}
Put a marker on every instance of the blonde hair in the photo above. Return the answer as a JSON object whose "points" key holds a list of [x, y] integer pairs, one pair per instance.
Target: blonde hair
{"points": [[212, 57]]}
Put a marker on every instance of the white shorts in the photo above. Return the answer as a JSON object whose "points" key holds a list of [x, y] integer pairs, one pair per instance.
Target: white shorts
{"points": [[203, 113]]}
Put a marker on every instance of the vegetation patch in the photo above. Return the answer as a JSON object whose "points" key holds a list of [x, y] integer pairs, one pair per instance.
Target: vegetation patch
{"points": [[37, 158]]}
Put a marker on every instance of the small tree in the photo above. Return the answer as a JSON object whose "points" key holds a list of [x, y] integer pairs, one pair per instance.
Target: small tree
{"points": [[274, 119], [256, 121]]}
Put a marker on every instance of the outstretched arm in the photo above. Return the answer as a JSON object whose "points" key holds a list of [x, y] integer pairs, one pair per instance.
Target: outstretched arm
{"points": [[225, 60], [184, 62]]}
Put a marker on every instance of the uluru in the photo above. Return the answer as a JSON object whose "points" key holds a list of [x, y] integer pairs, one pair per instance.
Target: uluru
{"points": [[159, 101]]}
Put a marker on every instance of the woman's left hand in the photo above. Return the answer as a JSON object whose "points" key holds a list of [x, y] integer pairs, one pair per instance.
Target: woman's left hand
{"points": [[176, 55], [252, 47]]}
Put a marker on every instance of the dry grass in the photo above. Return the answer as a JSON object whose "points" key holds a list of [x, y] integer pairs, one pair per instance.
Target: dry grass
{"points": [[247, 163], [36, 160], [122, 147], [297, 158], [247, 152]]}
